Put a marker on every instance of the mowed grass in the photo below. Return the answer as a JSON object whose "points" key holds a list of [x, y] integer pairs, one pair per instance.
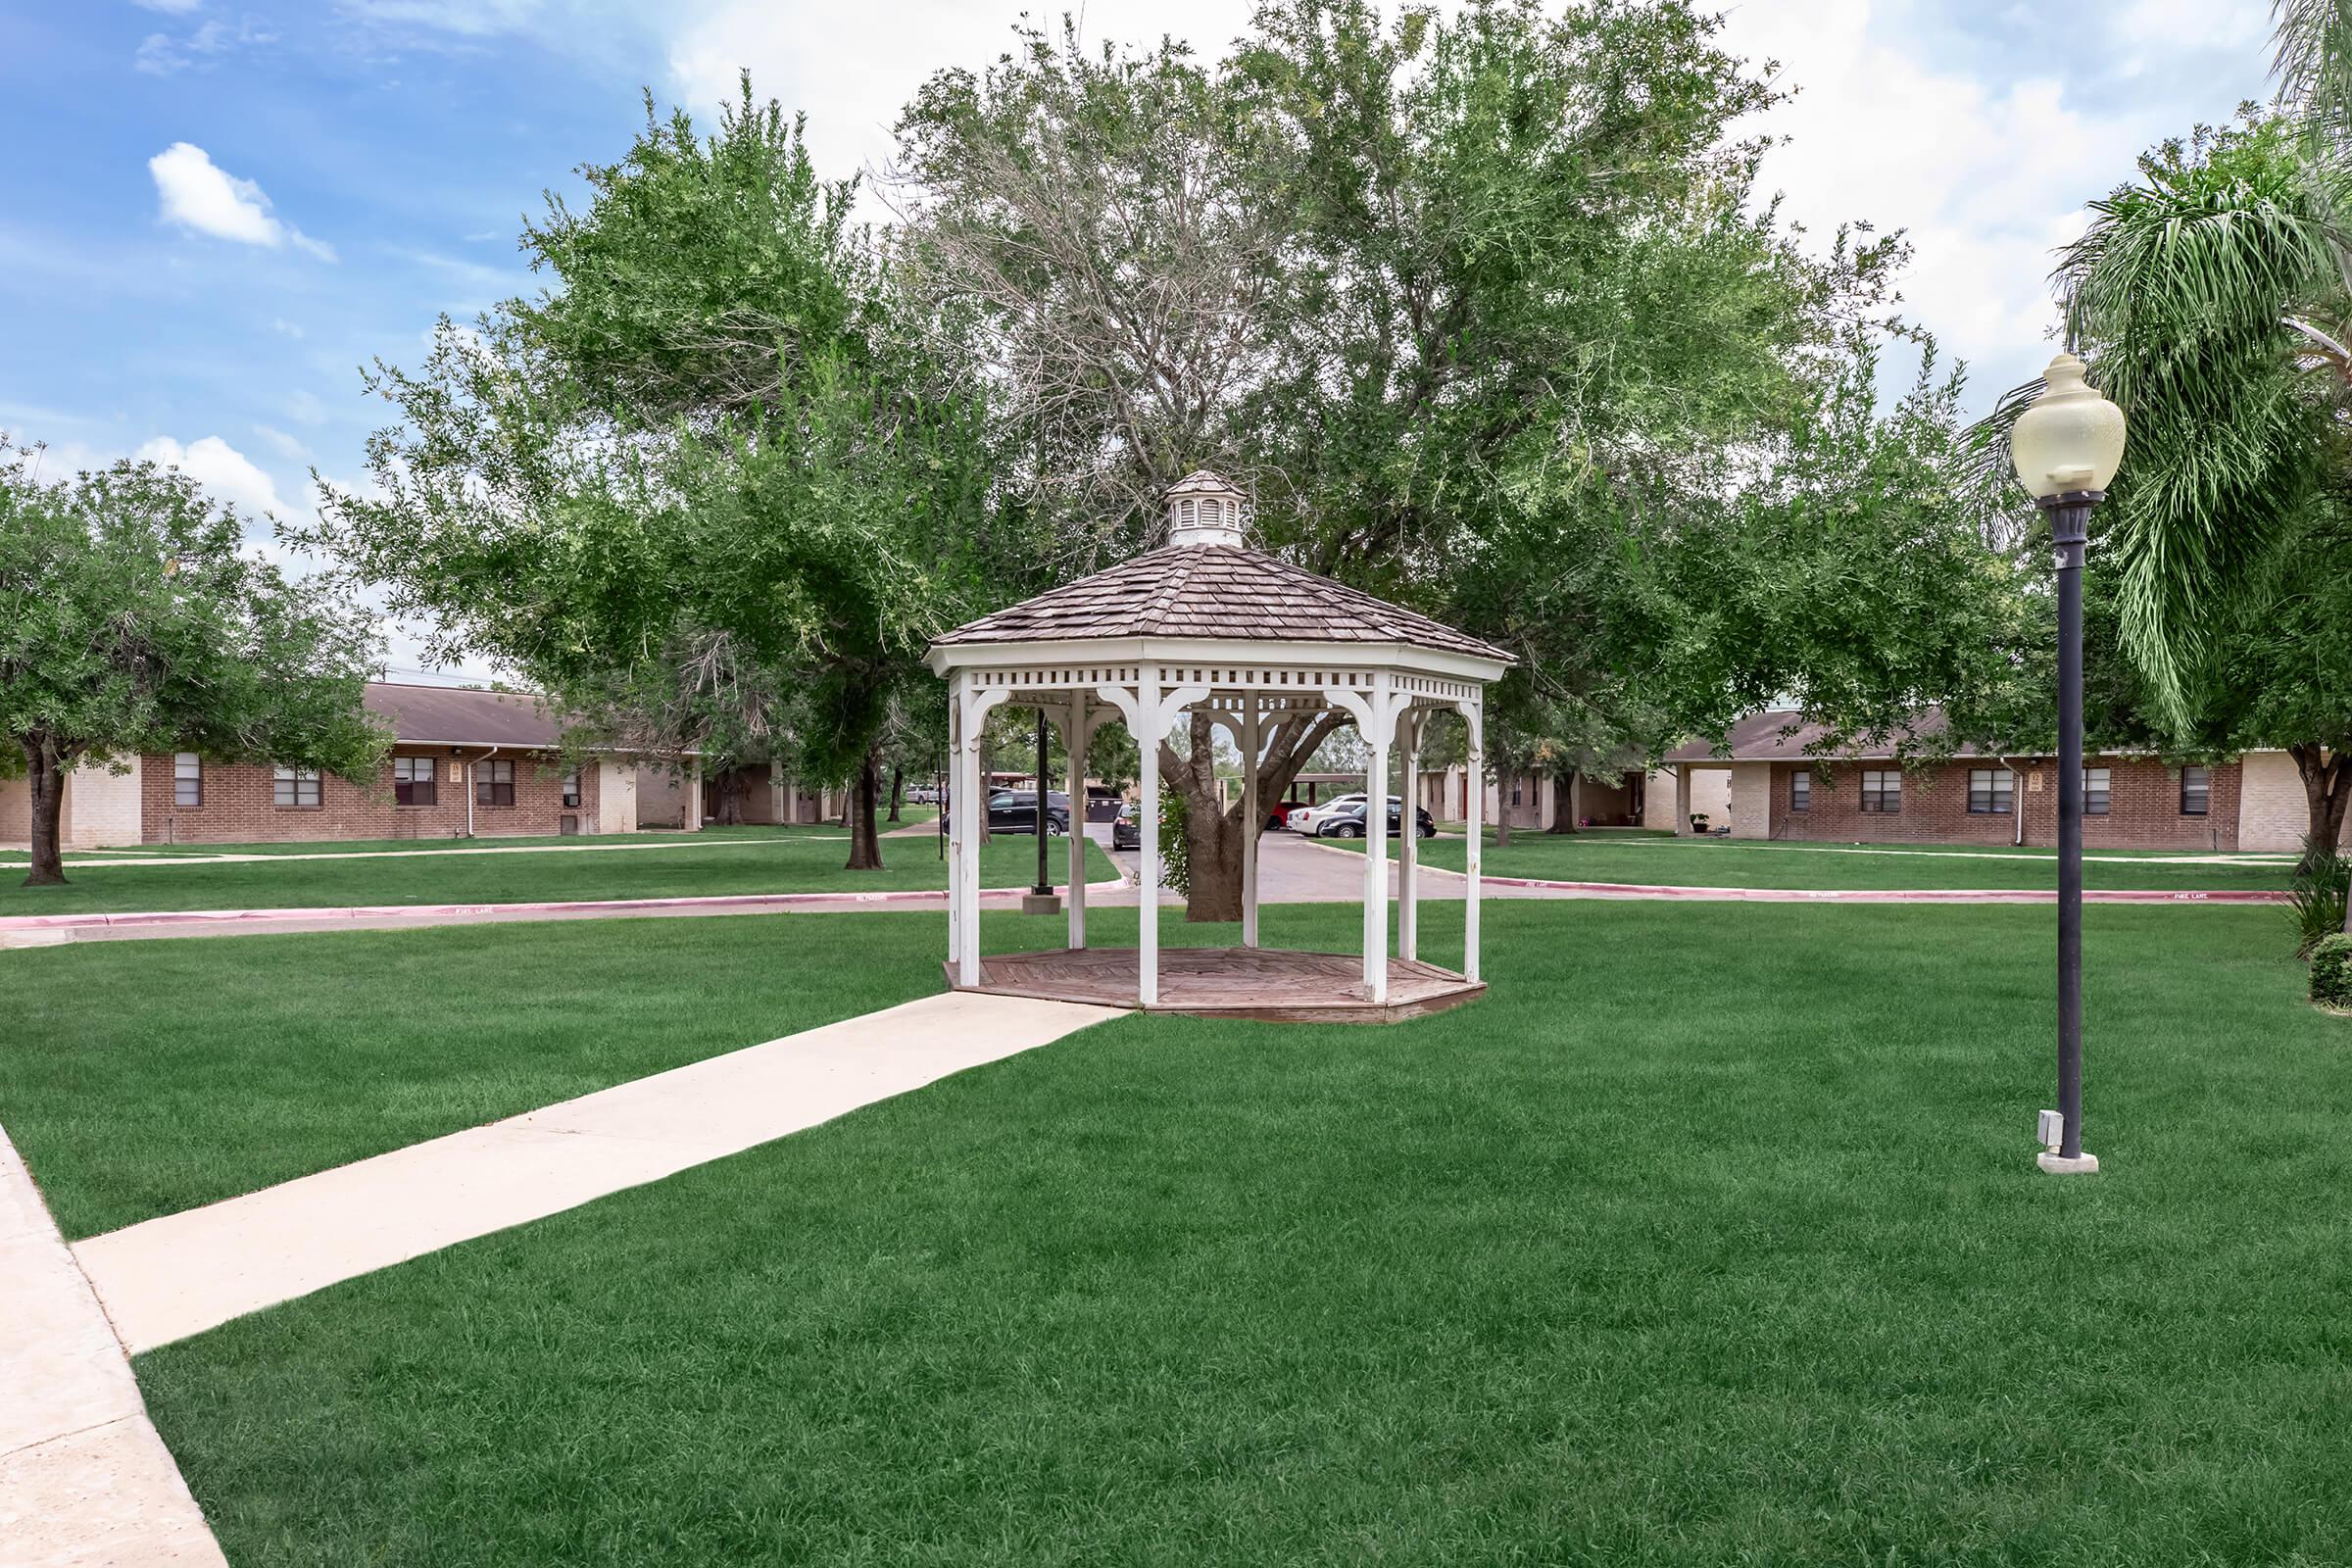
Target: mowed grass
{"points": [[771, 862], [1662, 860], [1711, 1235], [145, 1077]]}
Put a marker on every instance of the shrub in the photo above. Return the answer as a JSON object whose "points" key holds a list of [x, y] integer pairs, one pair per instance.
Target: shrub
{"points": [[2317, 903], [1175, 845], [2331, 972]]}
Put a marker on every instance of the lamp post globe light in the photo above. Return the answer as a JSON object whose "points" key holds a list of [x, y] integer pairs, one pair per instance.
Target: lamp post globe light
{"points": [[2066, 447]]}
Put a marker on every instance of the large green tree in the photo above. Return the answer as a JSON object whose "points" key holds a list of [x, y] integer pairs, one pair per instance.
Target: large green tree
{"points": [[1479, 306], [714, 445], [132, 619]]}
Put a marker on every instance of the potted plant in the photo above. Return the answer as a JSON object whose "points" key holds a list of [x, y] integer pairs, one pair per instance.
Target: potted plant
{"points": [[1698, 823]]}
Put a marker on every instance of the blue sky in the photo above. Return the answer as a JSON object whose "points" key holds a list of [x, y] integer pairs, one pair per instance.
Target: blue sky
{"points": [[219, 211]]}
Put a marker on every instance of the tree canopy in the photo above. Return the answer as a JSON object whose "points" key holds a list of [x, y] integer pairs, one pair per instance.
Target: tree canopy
{"points": [[132, 619], [711, 482]]}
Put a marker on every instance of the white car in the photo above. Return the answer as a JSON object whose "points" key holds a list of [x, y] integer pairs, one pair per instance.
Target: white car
{"points": [[1308, 819]]}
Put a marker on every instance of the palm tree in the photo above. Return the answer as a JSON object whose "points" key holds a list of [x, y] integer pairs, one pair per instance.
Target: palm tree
{"points": [[2209, 295]]}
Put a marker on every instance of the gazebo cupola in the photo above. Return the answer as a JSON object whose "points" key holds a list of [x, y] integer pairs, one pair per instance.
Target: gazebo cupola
{"points": [[1206, 624], [1203, 509]]}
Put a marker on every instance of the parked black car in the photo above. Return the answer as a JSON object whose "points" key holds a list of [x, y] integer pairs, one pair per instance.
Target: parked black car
{"points": [[1015, 812], [1125, 834], [1348, 824]]}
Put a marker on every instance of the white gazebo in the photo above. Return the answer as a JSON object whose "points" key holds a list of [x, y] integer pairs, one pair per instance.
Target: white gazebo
{"points": [[1208, 624]]}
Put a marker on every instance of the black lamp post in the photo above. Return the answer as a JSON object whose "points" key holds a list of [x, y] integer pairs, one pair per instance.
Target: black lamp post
{"points": [[2066, 447]]}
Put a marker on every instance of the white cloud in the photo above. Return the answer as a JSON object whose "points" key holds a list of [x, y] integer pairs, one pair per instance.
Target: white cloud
{"points": [[196, 193], [158, 55], [285, 329], [1989, 178], [472, 19], [284, 445], [869, 64], [226, 473], [171, 8], [304, 408]]}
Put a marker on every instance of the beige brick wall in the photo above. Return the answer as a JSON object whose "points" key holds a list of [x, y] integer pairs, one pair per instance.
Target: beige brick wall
{"points": [[615, 797], [102, 806], [2273, 812], [1751, 800], [1710, 796], [16, 810]]}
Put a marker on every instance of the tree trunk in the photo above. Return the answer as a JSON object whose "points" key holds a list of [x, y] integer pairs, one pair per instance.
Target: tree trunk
{"points": [[1563, 802], [897, 791], [1502, 808], [1213, 838], [48, 777], [731, 791], [2328, 790], [864, 813]]}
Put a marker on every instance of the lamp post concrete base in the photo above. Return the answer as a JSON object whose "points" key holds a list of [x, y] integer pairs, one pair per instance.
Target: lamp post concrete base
{"points": [[1051, 904], [2063, 1165]]}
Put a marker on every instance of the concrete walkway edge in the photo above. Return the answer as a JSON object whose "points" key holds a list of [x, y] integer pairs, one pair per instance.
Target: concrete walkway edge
{"points": [[168, 1278], [84, 1479]]}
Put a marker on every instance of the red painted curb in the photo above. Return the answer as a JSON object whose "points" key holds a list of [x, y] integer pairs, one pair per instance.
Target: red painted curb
{"points": [[1647, 889]]}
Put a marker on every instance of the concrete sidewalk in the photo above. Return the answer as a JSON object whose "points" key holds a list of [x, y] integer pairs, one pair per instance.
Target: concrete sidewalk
{"points": [[180, 1274], [84, 1479], [51, 930]]}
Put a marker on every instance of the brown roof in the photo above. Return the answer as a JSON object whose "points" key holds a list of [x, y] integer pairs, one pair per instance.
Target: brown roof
{"points": [[1215, 591], [464, 715], [1758, 738]]}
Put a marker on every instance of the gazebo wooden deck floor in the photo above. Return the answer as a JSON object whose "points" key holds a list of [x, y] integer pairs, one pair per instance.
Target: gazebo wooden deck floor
{"points": [[1269, 984]]}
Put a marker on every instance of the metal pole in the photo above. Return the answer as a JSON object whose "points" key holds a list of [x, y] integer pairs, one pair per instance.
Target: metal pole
{"points": [[2070, 521], [1045, 877]]}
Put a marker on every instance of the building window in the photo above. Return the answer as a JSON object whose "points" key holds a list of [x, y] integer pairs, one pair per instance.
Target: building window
{"points": [[187, 779], [494, 783], [1882, 790], [2196, 791], [296, 788], [1515, 801], [571, 787], [1991, 792], [1800, 790], [2095, 794], [414, 782]]}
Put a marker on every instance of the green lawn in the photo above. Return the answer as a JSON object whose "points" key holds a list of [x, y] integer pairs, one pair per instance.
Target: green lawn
{"points": [[1749, 863], [216, 1067], [1721, 1242], [770, 862]]}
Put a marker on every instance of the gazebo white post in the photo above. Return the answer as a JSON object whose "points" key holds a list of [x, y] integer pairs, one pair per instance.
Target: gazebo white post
{"points": [[1146, 821], [972, 800], [956, 821], [1076, 735], [1376, 846], [1409, 844], [1474, 716], [1252, 819]]}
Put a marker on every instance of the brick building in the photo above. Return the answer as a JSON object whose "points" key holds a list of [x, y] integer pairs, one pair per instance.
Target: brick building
{"points": [[463, 762], [1777, 790]]}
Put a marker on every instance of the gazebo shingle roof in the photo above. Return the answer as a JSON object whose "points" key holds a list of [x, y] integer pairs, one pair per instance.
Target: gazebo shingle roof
{"points": [[1220, 592]]}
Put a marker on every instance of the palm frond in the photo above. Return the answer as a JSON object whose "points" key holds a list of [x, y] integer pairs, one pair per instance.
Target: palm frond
{"points": [[2177, 293]]}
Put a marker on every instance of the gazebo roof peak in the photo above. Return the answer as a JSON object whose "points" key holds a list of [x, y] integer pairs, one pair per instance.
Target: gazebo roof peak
{"points": [[1204, 508], [1206, 583]]}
